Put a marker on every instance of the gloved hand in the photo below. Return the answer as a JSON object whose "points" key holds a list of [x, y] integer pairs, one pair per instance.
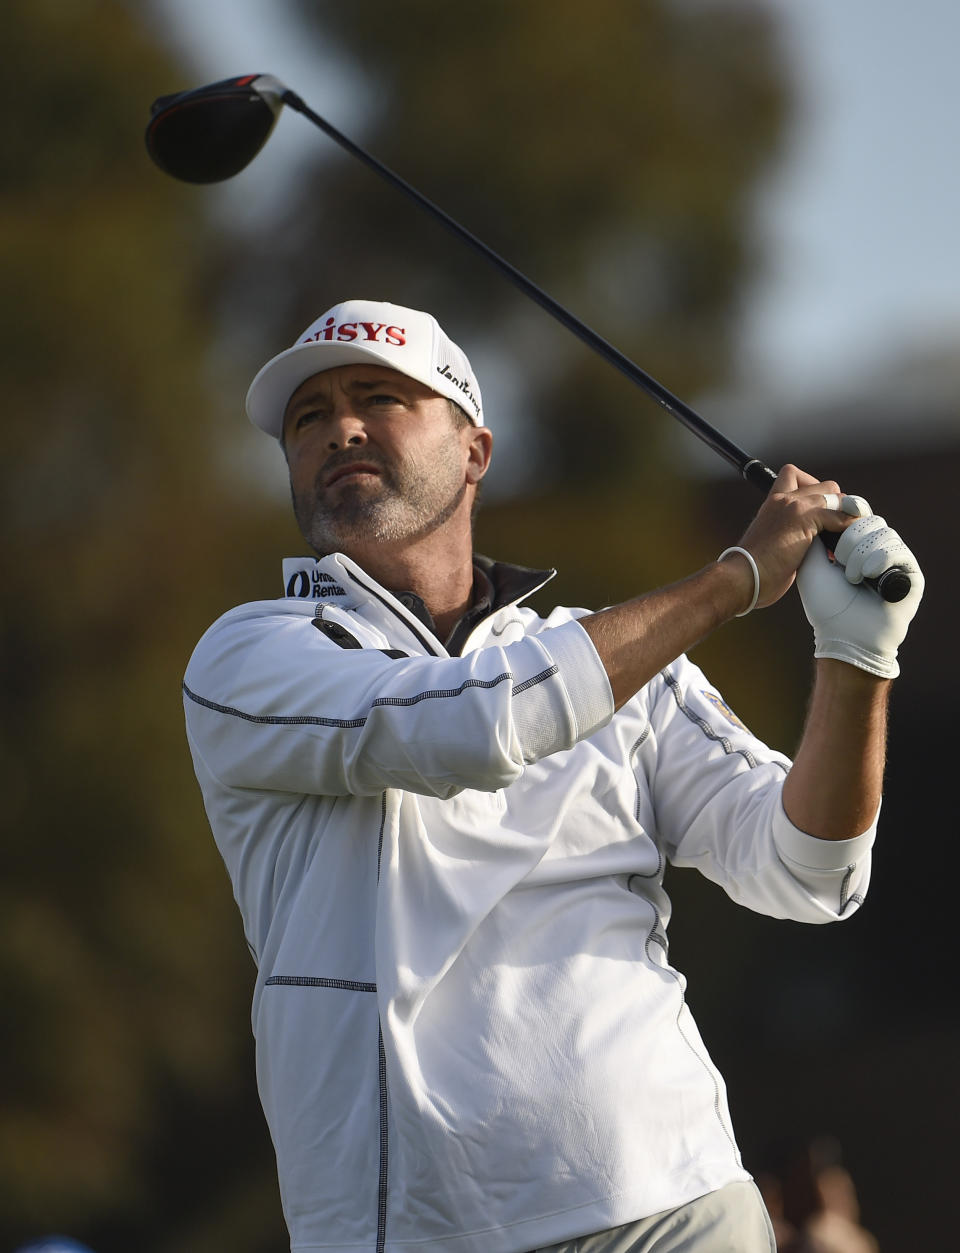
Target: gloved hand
{"points": [[850, 622]]}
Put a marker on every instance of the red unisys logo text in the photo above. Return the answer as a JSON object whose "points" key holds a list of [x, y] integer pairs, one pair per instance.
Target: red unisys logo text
{"points": [[366, 332]]}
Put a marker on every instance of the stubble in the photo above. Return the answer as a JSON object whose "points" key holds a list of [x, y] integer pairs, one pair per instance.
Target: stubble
{"points": [[407, 502]]}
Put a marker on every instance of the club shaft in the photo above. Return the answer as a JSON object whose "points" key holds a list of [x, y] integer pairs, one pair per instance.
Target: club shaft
{"points": [[892, 585], [743, 462]]}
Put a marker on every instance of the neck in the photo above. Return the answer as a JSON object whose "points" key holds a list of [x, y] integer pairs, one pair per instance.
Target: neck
{"points": [[438, 567]]}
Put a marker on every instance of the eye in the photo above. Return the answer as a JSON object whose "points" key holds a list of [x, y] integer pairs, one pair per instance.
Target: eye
{"points": [[383, 398], [305, 418]]}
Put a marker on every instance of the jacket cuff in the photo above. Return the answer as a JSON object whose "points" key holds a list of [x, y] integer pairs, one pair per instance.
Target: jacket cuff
{"points": [[812, 853], [583, 675]]}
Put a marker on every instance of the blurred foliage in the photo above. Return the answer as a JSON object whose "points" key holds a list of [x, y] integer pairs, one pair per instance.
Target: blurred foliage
{"points": [[124, 998]]}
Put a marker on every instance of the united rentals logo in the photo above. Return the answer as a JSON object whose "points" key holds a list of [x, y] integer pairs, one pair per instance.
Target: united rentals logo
{"points": [[463, 384], [313, 585], [347, 332]]}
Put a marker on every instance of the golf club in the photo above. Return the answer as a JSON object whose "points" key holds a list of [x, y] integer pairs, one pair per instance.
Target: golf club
{"points": [[213, 132]]}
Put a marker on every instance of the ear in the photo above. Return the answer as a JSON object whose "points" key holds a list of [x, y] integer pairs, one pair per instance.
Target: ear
{"points": [[479, 449]]}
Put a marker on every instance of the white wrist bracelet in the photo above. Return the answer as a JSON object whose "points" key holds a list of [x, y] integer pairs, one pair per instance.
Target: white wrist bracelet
{"points": [[756, 576]]}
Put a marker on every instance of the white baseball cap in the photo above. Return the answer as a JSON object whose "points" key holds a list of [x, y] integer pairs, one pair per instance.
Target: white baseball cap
{"points": [[364, 332]]}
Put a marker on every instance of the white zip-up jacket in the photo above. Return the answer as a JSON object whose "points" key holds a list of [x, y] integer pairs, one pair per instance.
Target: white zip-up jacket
{"points": [[469, 1036]]}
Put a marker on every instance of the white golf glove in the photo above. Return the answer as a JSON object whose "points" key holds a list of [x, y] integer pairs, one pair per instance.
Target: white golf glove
{"points": [[851, 622]]}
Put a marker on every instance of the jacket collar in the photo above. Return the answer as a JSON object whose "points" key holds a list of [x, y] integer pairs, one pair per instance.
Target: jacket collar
{"points": [[511, 584], [307, 578], [332, 580]]}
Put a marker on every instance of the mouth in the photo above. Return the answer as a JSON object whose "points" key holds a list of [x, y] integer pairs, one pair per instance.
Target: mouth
{"points": [[356, 470]]}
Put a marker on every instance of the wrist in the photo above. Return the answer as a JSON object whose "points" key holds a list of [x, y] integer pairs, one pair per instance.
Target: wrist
{"points": [[743, 561], [849, 693]]}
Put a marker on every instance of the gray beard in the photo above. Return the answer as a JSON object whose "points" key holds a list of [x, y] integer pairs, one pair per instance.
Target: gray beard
{"points": [[388, 517]]}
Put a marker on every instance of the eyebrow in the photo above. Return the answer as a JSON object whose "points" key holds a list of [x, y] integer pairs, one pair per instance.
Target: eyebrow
{"points": [[312, 398], [357, 385]]}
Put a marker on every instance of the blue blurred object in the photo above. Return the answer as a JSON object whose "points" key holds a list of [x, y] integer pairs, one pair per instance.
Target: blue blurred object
{"points": [[53, 1244]]}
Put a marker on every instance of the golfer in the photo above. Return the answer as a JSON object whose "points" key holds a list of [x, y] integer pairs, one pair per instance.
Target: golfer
{"points": [[446, 819]]}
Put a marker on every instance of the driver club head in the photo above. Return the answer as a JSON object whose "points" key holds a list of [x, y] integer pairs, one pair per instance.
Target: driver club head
{"points": [[211, 133]]}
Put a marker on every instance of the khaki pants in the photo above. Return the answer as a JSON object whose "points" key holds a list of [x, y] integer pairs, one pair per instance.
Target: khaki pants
{"points": [[731, 1220]]}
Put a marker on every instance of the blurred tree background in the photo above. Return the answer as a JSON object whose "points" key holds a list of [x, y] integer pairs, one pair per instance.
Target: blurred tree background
{"points": [[611, 152]]}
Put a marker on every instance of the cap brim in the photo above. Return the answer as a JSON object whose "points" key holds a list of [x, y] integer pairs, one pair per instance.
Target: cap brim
{"points": [[270, 392]]}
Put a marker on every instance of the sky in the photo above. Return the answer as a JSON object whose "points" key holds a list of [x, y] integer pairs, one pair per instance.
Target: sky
{"points": [[860, 218], [857, 222]]}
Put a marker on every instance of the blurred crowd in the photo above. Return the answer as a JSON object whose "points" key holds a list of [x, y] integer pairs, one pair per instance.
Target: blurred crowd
{"points": [[812, 1199]]}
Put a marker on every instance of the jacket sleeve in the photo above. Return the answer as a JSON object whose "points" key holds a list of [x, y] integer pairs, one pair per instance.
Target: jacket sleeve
{"points": [[271, 703], [717, 795]]}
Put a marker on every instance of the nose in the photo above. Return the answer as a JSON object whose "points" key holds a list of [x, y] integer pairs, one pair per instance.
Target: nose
{"points": [[346, 428]]}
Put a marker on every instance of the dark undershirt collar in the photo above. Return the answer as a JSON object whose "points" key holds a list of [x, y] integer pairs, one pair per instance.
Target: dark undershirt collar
{"points": [[495, 584]]}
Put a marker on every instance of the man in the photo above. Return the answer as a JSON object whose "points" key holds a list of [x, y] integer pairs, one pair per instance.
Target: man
{"points": [[446, 821]]}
